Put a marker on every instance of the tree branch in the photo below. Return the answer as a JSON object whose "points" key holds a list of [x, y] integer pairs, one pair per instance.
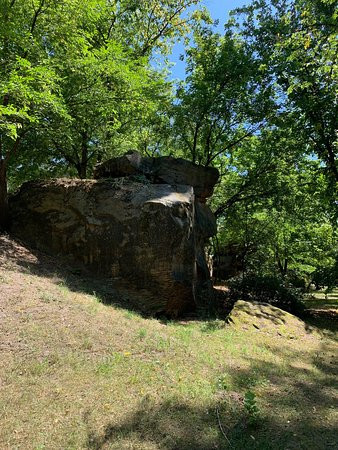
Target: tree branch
{"points": [[166, 25], [232, 144], [36, 15]]}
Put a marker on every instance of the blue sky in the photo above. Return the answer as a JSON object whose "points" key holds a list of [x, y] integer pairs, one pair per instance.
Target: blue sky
{"points": [[219, 9]]}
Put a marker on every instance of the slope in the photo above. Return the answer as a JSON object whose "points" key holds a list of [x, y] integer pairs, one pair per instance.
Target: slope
{"points": [[80, 370]]}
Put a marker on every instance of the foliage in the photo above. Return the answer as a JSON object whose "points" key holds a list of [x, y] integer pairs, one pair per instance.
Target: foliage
{"points": [[326, 276], [273, 204], [77, 82], [83, 81], [259, 104], [296, 43], [266, 289], [224, 99]]}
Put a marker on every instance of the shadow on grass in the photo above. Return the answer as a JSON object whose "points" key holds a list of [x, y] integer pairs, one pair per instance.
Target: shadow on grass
{"points": [[77, 278], [328, 325], [61, 272], [165, 426], [110, 292], [298, 401]]}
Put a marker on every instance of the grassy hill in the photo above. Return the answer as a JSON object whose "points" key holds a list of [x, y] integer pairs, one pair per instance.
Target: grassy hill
{"points": [[77, 372]]}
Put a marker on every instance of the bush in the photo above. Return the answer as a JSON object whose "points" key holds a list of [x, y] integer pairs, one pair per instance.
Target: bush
{"points": [[297, 281], [326, 276], [267, 289]]}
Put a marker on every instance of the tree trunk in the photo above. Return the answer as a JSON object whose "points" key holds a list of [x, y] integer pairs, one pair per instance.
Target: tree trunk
{"points": [[82, 167], [82, 170], [194, 145], [283, 268], [4, 212], [331, 163]]}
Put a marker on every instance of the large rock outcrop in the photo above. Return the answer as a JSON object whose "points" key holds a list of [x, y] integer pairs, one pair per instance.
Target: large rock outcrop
{"points": [[147, 236]]}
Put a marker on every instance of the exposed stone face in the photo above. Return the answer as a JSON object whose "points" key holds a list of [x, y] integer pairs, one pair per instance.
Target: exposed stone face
{"points": [[165, 169], [148, 236]]}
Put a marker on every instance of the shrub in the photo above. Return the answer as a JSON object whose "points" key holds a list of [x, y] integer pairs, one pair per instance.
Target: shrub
{"points": [[268, 289], [326, 276]]}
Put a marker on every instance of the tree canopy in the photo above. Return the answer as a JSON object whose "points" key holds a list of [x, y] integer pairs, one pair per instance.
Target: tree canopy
{"points": [[79, 83]]}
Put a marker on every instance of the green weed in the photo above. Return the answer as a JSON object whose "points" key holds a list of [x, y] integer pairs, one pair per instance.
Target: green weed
{"points": [[142, 333], [251, 407], [47, 297]]}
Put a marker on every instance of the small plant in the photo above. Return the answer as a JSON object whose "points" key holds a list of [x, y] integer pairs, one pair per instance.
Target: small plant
{"points": [[63, 288], [162, 343], [142, 332], [87, 343], [38, 368], [108, 364], [251, 407], [97, 297], [131, 315], [47, 297], [222, 383]]}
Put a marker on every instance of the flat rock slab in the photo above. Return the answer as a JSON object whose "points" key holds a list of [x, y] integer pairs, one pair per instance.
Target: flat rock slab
{"points": [[165, 169]]}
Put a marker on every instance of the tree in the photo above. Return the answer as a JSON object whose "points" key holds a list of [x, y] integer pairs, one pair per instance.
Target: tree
{"points": [[107, 94], [296, 41], [73, 71], [260, 104], [28, 85], [111, 91], [224, 100], [281, 221]]}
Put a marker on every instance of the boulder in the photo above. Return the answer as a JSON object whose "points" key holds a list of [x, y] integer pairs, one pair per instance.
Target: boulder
{"points": [[165, 169], [263, 317], [147, 236]]}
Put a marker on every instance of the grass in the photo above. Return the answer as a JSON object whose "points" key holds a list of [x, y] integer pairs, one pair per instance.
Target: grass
{"points": [[78, 373], [322, 300]]}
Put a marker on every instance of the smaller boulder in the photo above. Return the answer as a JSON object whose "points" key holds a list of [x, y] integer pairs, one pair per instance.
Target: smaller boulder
{"points": [[266, 318], [162, 170]]}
